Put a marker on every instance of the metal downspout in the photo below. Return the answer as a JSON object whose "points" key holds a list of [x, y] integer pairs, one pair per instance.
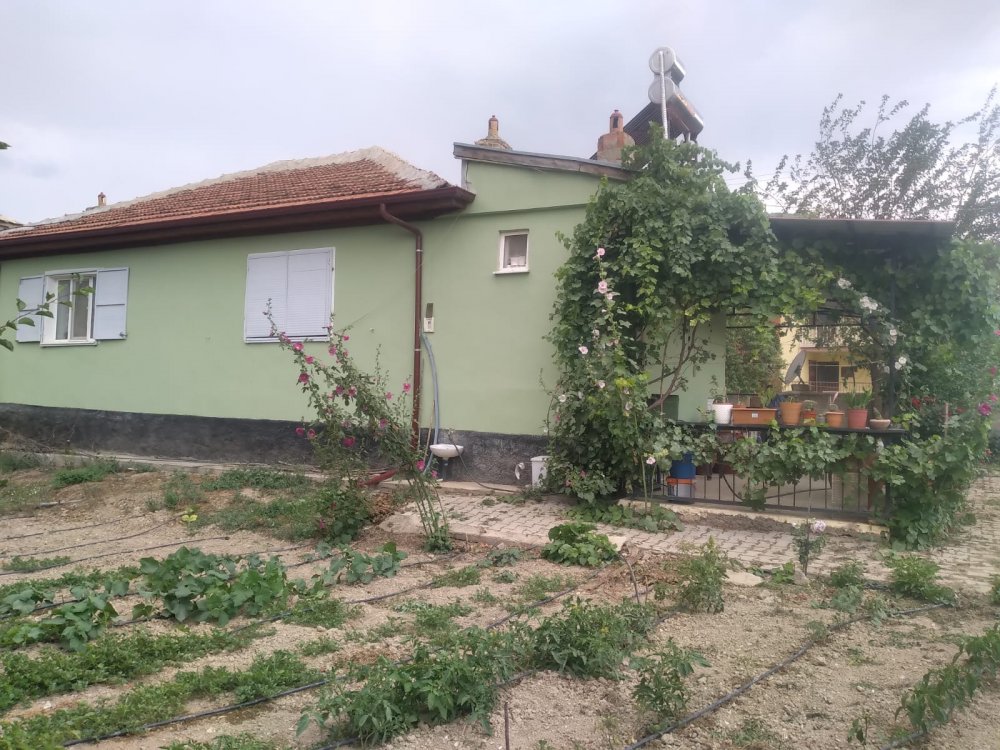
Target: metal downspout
{"points": [[418, 288]]}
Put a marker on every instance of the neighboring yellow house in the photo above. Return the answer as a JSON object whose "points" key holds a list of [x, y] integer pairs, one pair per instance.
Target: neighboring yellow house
{"points": [[822, 369]]}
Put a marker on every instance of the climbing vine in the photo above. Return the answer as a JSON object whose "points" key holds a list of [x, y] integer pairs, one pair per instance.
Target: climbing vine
{"points": [[652, 267]]}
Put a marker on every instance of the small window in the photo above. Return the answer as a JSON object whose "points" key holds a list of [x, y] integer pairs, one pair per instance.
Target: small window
{"points": [[513, 251], [85, 306], [298, 288], [824, 376]]}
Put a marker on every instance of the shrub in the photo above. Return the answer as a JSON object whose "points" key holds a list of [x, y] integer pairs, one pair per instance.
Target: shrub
{"points": [[94, 471], [661, 689], [701, 580], [915, 577], [848, 574]]}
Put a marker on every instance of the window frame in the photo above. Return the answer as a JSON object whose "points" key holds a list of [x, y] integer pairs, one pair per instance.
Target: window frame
{"points": [[50, 285], [502, 256]]}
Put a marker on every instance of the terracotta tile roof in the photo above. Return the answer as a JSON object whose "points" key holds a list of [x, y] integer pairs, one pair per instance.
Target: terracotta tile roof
{"points": [[333, 179]]}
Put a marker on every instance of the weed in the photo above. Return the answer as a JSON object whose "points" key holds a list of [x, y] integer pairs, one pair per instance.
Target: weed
{"points": [[859, 728], [847, 599], [995, 590], [578, 544], [256, 477], [225, 742], [322, 645], [294, 519], [783, 574], [502, 558], [505, 576], [458, 578], [701, 580], [18, 497], [915, 577], [818, 631], [537, 587], [590, 640], [434, 619], [18, 564], [357, 567], [391, 627], [752, 733], [484, 596], [661, 690], [848, 574], [11, 462], [180, 490], [324, 613], [93, 471]]}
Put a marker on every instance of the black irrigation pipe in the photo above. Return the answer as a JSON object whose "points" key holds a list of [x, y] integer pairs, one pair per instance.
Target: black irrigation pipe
{"points": [[91, 544], [299, 689], [736, 693], [73, 528]]}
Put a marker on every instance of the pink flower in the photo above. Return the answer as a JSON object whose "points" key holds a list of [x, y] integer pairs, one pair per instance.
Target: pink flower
{"points": [[382, 423], [819, 527], [650, 460], [420, 465], [388, 395], [602, 287], [997, 332], [300, 431], [339, 390], [601, 384], [345, 337], [352, 391], [434, 474], [406, 387], [310, 359], [311, 434], [600, 252], [332, 350], [583, 350], [985, 409], [283, 338], [348, 442], [303, 377], [297, 346], [993, 370], [993, 397], [343, 353]]}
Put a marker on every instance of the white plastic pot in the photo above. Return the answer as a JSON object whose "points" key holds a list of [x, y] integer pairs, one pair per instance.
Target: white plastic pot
{"points": [[723, 413]]}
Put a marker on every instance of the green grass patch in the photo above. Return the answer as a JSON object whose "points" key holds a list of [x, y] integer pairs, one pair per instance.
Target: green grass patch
{"points": [[226, 742], [181, 491], [11, 462], [257, 478], [18, 564], [458, 578], [111, 658], [433, 620], [18, 497], [267, 675], [94, 471], [324, 613]]}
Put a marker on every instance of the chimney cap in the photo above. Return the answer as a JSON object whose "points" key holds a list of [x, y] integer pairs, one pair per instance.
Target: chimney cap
{"points": [[493, 139], [102, 199]]}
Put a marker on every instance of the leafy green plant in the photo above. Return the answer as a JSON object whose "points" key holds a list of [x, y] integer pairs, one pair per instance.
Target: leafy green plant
{"points": [[847, 599], [357, 567], [578, 544], [849, 574], [505, 576], [11, 462], [701, 578], [320, 610], [536, 587], [72, 624], [590, 640], [93, 471], [257, 477], [995, 589], [660, 689], [225, 742], [501, 558], [654, 518], [808, 540], [784, 574], [915, 577]]}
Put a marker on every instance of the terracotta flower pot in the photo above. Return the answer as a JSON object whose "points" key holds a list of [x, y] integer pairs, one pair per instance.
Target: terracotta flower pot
{"points": [[791, 412], [835, 419], [857, 419], [879, 424]]}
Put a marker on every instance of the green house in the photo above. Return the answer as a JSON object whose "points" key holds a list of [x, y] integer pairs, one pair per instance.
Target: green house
{"points": [[172, 355]]}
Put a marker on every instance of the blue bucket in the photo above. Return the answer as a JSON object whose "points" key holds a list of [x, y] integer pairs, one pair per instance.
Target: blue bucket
{"points": [[684, 469]]}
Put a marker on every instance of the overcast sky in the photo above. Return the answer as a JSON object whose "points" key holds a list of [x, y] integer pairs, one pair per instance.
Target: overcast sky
{"points": [[130, 97]]}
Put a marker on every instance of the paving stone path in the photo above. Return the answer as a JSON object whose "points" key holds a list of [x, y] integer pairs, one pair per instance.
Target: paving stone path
{"points": [[968, 563]]}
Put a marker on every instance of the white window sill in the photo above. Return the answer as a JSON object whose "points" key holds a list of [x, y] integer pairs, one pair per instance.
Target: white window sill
{"points": [[294, 339], [87, 342], [505, 271]]}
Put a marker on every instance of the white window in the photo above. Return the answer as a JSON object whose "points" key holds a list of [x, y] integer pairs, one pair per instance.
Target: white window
{"points": [[86, 306], [298, 287], [513, 255]]}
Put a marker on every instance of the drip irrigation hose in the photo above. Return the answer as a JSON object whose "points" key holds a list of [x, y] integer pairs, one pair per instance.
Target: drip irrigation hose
{"points": [[299, 689], [73, 528], [99, 541], [736, 693]]}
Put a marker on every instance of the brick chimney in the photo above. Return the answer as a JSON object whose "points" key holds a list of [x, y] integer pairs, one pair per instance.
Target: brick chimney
{"points": [[102, 200], [493, 139], [610, 145]]}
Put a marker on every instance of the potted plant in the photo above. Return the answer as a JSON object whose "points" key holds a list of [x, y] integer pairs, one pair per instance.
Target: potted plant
{"points": [[791, 409], [755, 414], [857, 409], [834, 418], [722, 410], [877, 422], [808, 412]]}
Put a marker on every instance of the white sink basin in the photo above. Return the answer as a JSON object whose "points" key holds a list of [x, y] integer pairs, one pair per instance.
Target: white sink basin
{"points": [[447, 450]]}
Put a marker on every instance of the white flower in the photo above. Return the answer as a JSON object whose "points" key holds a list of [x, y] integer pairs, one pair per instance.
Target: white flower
{"points": [[650, 460], [583, 350], [893, 333], [819, 527], [868, 304], [579, 395], [843, 283], [562, 398], [596, 334], [601, 384], [600, 252], [628, 406], [901, 362]]}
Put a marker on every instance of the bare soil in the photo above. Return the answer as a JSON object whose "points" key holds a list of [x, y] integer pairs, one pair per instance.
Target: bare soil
{"points": [[811, 703]]}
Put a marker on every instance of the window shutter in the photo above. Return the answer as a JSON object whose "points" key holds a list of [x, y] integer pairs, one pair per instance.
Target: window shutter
{"points": [[31, 291], [299, 286], [267, 279], [309, 294], [110, 299]]}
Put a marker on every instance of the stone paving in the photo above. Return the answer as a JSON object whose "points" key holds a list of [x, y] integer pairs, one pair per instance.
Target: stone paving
{"points": [[967, 563]]}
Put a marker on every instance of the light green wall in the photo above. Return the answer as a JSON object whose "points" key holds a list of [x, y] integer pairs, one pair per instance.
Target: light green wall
{"points": [[185, 353]]}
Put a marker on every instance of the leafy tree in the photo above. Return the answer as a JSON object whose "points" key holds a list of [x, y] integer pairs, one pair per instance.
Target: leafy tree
{"points": [[915, 172], [753, 358]]}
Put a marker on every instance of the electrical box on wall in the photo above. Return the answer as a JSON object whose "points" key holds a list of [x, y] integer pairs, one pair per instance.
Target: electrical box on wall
{"points": [[429, 318]]}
